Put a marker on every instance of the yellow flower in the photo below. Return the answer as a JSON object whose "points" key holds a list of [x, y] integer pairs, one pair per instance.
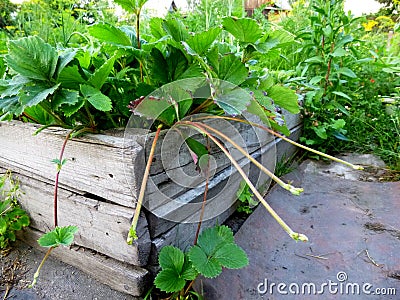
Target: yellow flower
{"points": [[370, 25]]}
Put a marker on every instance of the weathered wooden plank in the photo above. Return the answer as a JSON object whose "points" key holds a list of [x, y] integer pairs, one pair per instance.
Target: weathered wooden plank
{"points": [[108, 166], [165, 233], [171, 151], [102, 226], [163, 210], [97, 164], [119, 276]]}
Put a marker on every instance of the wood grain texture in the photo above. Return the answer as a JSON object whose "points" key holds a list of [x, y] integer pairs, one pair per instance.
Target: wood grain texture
{"points": [[101, 165], [165, 207], [119, 276], [102, 226]]}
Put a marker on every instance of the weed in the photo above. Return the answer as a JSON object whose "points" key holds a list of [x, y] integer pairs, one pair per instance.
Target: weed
{"points": [[12, 217]]}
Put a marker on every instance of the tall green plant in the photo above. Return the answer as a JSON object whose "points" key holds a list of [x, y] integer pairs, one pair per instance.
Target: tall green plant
{"points": [[331, 57]]}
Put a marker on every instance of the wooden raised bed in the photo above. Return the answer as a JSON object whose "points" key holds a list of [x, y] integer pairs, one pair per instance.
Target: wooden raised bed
{"points": [[98, 190]]}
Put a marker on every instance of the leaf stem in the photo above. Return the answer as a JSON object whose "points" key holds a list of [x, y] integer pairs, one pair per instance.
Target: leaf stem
{"points": [[36, 275], [286, 186], [203, 205], [189, 287], [294, 235], [55, 205], [89, 114], [355, 167], [132, 235], [53, 114]]}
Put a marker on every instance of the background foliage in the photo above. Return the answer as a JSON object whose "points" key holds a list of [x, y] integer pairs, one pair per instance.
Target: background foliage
{"points": [[343, 110]]}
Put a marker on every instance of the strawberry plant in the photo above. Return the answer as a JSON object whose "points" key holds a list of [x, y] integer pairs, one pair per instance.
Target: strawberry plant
{"points": [[58, 236], [180, 81], [55, 88], [215, 249]]}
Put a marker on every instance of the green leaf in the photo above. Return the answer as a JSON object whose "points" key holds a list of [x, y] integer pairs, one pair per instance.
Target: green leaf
{"points": [[24, 220], [4, 205], [315, 59], [172, 258], [285, 98], [32, 57], [338, 124], [10, 106], [69, 110], [231, 256], [345, 39], [109, 34], [316, 80], [99, 77], [201, 42], [39, 115], [175, 66], [131, 5], [156, 109], [321, 132], [207, 266], [16, 226], [256, 109], [340, 52], [231, 69], [225, 233], [342, 95], [96, 98], [177, 63], [158, 59], [156, 28], [233, 100], [246, 30], [193, 71], [347, 72], [391, 70], [3, 67], [176, 269], [169, 281], [3, 226], [266, 82], [188, 271], [58, 236], [197, 149], [70, 77], [63, 60], [213, 238], [13, 86], [266, 46], [11, 236], [176, 29], [65, 97], [34, 94]]}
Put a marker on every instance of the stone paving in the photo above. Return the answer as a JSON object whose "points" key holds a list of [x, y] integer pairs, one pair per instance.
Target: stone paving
{"points": [[354, 241]]}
